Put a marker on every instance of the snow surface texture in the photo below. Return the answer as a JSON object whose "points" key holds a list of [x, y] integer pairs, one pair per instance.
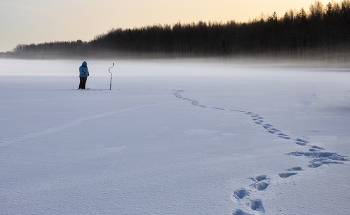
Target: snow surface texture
{"points": [[173, 137]]}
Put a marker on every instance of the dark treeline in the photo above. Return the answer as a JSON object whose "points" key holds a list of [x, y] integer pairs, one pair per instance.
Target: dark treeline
{"points": [[52, 49], [324, 30]]}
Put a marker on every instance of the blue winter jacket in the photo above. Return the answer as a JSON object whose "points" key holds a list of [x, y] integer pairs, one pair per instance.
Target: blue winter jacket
{"points": [[83, 71]]}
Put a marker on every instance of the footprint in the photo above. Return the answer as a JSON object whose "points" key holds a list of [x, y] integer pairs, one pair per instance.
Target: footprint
{"points": [[260, 186], [301, 142], [284, 136], [319, 162], [258, 121], [318, 154], [320, 158], [216, 108], [316, 147], [194, 102], [314, 165], [273, 130], [267, 126], [286, 175], [256, 205], [177, 94], [259, 178], [240, 193], [270, 128], [295, 169]]}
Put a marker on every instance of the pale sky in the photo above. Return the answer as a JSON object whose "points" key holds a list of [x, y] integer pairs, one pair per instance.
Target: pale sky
{"points": [[37, 21]]}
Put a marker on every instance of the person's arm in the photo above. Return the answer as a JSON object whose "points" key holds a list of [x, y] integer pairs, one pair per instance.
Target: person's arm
{"points": [[80, 71]]}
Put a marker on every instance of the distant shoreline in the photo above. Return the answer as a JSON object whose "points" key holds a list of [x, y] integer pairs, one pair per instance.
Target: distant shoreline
{"points": [[282, 61], [321, 35]]}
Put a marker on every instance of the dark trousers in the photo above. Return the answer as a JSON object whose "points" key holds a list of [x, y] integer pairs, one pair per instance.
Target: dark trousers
{"points": [[82, 82]]}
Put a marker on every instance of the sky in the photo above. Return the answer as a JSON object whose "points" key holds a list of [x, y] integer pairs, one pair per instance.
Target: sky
{"points": [[38, 21]]}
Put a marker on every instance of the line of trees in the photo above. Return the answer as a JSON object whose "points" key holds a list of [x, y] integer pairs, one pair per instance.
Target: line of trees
{"points": [[323, 30]]}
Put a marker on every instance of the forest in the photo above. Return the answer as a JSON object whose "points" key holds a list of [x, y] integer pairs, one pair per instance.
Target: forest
{"points": [[322, 32]]}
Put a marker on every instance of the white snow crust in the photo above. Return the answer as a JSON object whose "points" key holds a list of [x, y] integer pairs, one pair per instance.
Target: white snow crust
{"points": [[173, 137]]}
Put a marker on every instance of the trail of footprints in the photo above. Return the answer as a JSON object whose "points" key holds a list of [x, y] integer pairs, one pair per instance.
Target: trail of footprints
{"points": [[259, 183], [318, 157]]}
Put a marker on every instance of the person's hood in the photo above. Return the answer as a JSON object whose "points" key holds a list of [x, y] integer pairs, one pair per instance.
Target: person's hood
{"points": [[84, 63]]}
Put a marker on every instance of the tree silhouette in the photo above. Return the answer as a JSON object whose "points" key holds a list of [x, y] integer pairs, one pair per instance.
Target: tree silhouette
{"points": [[323, 31]]}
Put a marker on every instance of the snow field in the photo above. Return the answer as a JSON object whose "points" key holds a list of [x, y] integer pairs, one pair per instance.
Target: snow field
{"points": [[173, 137]]}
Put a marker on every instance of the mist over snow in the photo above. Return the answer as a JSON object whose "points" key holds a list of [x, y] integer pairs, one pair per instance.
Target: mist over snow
{"points": [[173, 137]]}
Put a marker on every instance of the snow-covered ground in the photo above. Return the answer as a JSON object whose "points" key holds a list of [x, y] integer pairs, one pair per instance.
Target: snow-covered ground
{"points": [[173, 137]]}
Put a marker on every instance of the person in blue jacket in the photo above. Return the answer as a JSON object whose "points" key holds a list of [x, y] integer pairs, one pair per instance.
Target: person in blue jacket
{"points": [[83, 74]]}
